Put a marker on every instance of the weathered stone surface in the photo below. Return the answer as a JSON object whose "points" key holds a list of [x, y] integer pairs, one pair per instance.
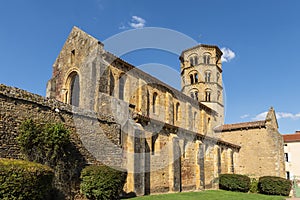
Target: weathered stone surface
{"points": [[261, 144], [126, 118]]}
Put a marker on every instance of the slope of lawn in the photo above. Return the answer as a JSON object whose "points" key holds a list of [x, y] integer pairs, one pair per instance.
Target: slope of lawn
{"points": [[211, 195]]}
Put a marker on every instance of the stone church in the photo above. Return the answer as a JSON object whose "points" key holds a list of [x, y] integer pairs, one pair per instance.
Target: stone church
{"points": [[167, 140], [182, 142]]}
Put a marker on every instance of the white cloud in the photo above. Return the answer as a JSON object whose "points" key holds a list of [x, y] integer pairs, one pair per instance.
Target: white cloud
{"points": [[260, 116], [282, 115], [228, 54], [137, 22], [279, 115], [244, 116]]}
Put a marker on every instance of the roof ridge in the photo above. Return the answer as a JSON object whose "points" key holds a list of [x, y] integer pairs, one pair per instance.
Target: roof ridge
{"points": [[241, 125]]}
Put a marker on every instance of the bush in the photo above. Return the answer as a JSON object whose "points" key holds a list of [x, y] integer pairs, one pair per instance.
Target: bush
{"points": [[24, 180], [44, 144], [102, 182], [273, 185], [50, 144], [234, 182], [254, 186]]}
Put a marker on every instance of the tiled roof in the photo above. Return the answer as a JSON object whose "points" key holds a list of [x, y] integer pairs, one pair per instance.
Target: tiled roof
{"points": [[244, 125], [292, 137]]}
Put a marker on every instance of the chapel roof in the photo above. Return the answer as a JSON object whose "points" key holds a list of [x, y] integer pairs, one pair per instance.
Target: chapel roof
{"points": [[243, 125]]}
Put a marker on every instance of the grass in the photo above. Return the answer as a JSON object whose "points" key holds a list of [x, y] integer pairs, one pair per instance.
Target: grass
{"points": [[210, 195]]}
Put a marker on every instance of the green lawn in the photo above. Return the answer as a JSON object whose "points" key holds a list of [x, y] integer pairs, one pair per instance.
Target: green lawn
{"points": [[210, 195]]}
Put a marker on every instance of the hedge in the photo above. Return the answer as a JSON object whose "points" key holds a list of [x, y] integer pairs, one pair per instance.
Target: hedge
{"points": [[102, 182], [24, 180], [234, 182], [273, 185]]}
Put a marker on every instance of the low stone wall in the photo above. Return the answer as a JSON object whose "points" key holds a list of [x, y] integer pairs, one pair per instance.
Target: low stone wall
{"points": [[89, 131]]}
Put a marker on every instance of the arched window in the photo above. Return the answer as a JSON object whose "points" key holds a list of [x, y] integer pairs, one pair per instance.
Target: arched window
{"points": [[207, 95], [111, 84], [207, 76], [191, 61], [219, 95], [194, 94], [206, 58], [122, 80], [148, 104], [154, 102], [196, 60], [74, 90], [192, 78], [177, 111], [196, 77]]}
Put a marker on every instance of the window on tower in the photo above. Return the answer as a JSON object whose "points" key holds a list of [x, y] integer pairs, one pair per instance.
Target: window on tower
{"points": [[207, 76], [194, 94], [196, 60], [207, 95], [192, 78], [191, 61], [206, 58], [196, 78]]}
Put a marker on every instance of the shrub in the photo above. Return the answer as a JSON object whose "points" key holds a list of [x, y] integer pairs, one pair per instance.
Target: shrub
{"points": [[43, 143], [24, 180], [254, 186], [102, 182], [50, 144], [234, 182], [273, 185]]}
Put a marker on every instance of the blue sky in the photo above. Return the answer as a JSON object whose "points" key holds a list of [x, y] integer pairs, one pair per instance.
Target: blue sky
{"points": [[264, 36]]}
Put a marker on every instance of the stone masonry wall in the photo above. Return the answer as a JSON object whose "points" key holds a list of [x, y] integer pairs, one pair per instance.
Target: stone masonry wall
{"points": [[260, 153], [89, 131]]}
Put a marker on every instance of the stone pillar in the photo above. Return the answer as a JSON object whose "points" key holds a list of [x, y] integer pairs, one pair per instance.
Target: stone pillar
{"points": [[230, 161], [174, 164], [188, 116], [224, 162], [135, 159], [140, 96], [217, 163], [199, 158], [202, 121]]}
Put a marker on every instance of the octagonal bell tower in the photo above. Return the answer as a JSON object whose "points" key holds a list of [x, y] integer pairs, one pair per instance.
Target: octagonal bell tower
{"points": [[201, 76]]}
